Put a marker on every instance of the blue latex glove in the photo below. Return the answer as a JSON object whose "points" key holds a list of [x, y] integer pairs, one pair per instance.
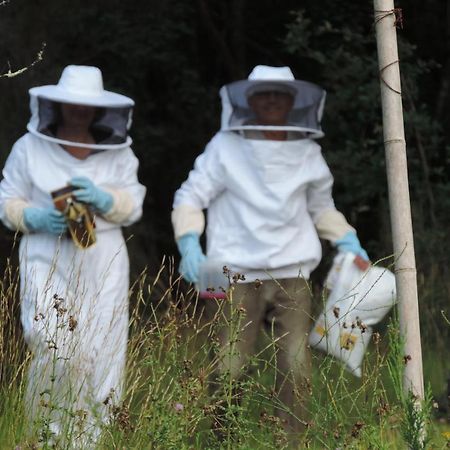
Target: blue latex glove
{"points": [[191, 256], [48, 220], [89, 193], [350, 243]]}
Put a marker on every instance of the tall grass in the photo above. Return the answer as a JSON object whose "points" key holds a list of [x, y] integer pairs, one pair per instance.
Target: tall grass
{"points": [[172, 359]]}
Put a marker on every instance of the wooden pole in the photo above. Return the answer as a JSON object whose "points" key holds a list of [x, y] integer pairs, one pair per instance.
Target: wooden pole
{"points": [[397, 177]]}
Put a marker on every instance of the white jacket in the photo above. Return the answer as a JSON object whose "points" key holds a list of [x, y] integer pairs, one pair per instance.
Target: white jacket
{"points": [[264, 200], [36, 167]]}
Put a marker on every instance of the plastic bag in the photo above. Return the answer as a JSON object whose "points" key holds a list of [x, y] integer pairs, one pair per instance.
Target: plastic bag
{"points": [[358, 299]]}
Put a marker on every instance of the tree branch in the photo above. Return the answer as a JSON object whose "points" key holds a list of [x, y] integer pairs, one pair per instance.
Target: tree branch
{"points": [[13, 73]]}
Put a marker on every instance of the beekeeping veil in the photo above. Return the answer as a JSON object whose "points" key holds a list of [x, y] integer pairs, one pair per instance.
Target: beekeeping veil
{"points": [[305, 115], [82, 85]]}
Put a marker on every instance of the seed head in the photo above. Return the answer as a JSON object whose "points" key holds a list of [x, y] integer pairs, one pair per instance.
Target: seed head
{"points": [[72, 323]]}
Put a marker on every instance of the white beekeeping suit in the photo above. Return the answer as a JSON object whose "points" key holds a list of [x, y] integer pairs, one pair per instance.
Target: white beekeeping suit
{"points": [[74, 302], [268, 194], [268, 201]]}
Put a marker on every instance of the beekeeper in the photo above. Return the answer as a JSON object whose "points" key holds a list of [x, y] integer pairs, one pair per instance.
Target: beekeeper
{"points": [[268, 194], [74, 301]]}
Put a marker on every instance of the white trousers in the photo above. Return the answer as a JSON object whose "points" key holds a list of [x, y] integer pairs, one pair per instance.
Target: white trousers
{"points": [[74, 313]]}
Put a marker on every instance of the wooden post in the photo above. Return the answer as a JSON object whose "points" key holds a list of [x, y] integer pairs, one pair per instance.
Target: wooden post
{"points": [[397, 177]]}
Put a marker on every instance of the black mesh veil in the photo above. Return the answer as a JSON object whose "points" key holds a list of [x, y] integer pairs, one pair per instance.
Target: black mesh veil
{"points": [[305, 116]]}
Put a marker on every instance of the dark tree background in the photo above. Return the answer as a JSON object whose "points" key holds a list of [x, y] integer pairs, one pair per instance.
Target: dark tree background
{"points": [[172, 56]]}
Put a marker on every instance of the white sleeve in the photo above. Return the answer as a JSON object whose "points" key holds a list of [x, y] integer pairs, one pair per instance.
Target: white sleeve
{"points": [[15, 188], [205, 180], [128, 194], [330, 223]]}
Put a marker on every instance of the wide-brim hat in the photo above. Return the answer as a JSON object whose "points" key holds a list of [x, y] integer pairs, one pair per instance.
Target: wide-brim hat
{"points": [[268, 78], [307, 109], [81, 85]]}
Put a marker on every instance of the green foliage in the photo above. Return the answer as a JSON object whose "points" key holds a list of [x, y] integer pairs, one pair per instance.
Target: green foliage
{"points": [[169, 404], [416, 414]]}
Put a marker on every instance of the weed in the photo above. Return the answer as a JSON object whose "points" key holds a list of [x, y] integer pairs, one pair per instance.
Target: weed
{"points": [[168, 403]]}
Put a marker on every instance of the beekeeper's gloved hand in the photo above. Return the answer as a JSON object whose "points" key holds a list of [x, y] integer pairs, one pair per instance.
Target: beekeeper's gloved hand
{"points": [[350, 243], [89, 193], [48, 220], [191, 256]]}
